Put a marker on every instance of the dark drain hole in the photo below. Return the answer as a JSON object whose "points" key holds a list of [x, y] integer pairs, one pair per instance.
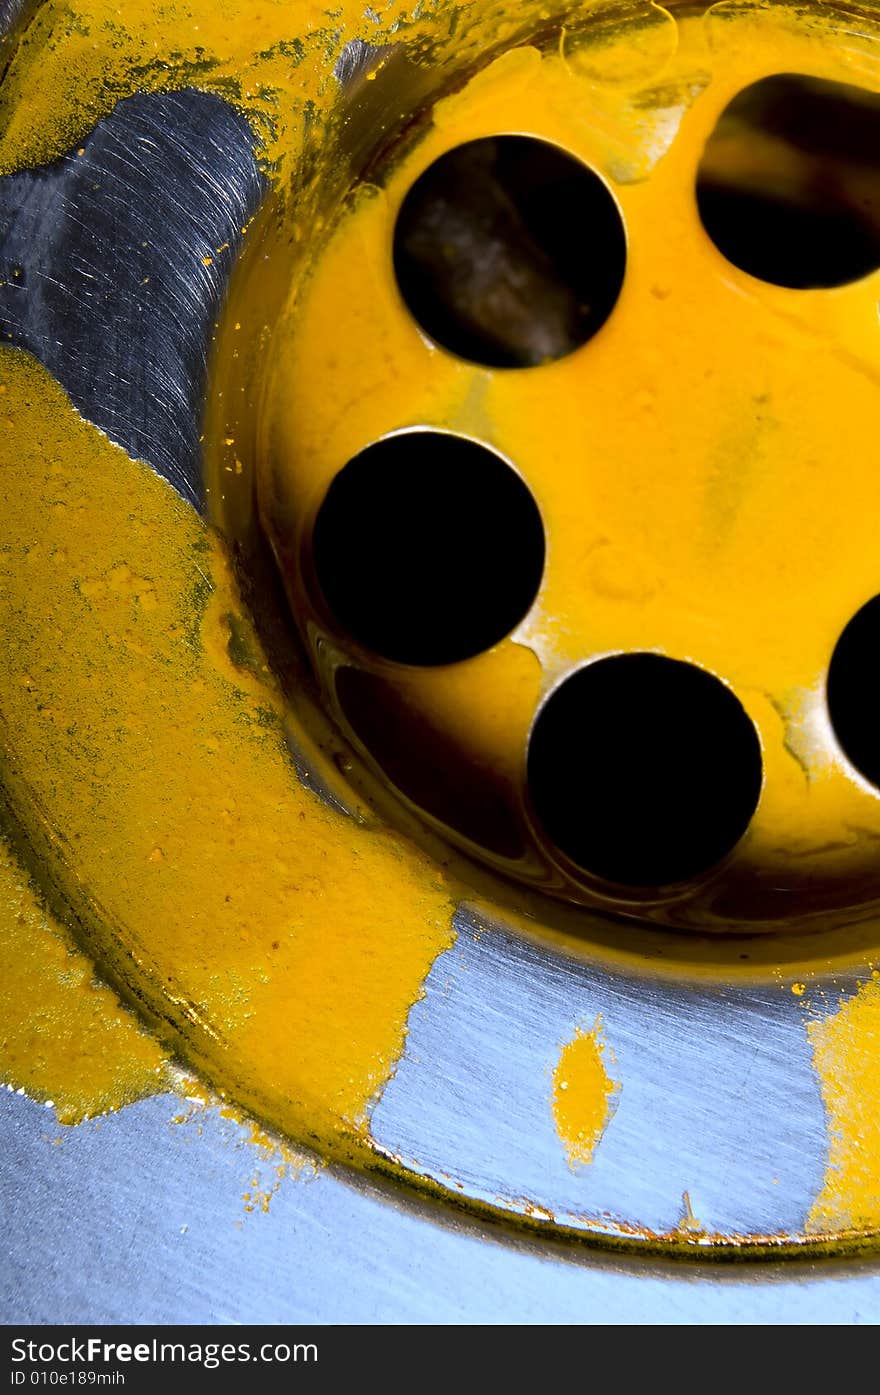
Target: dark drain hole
{"points": [[854, 691], [428, 548], [644, 770], [788, 187], [509, 252]]}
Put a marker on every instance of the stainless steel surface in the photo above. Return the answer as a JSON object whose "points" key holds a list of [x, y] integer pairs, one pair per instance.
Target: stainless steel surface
{"points": [[102, 271], [137, 1218], [131, 1218], [718, 1096]]}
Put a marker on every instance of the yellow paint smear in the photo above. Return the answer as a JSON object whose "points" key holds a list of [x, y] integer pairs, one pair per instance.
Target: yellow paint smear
{"points": [[64, 1038], [277, 945], [846, 1050], [583, 1093]]}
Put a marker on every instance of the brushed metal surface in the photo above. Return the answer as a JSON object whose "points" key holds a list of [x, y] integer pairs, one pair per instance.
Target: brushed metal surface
{"points": [[717, 1096], [136, 1218], [113, 263]]}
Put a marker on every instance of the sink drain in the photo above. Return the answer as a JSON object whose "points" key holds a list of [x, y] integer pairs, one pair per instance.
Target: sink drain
{"points": [[542, 435]]}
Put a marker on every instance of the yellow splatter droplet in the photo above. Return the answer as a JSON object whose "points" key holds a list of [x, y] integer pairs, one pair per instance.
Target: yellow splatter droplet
{"points": [[798, 989], [583, 1093]]}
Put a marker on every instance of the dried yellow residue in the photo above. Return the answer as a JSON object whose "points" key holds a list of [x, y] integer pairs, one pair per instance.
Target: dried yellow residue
{"points": [[846, 1048], [276, 946], [276, 1163], [279, 944], [92, 52], [108, 1059], [271, 1159], [264, 1188], [273, 59], [583, 1093]]}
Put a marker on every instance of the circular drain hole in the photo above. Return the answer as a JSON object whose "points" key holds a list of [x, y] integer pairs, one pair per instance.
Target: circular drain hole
{"points": [[788, 187], [428, 548], [644, 770], [509, 252], [853, 691]]}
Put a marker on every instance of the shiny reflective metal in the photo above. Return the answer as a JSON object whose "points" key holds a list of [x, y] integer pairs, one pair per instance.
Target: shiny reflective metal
{"points": [[129, 1218]]}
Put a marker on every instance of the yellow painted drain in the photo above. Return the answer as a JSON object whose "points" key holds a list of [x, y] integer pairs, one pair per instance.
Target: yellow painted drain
{"points": [[643, 724]]}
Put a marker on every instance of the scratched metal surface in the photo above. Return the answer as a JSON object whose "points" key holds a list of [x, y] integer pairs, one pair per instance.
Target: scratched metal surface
{"points": [[130, 1219], [138, 1218], [718, 1096], [103, 273]]}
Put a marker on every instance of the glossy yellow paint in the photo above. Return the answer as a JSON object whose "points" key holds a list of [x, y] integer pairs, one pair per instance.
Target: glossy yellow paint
{"points": [[704, 465]]}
